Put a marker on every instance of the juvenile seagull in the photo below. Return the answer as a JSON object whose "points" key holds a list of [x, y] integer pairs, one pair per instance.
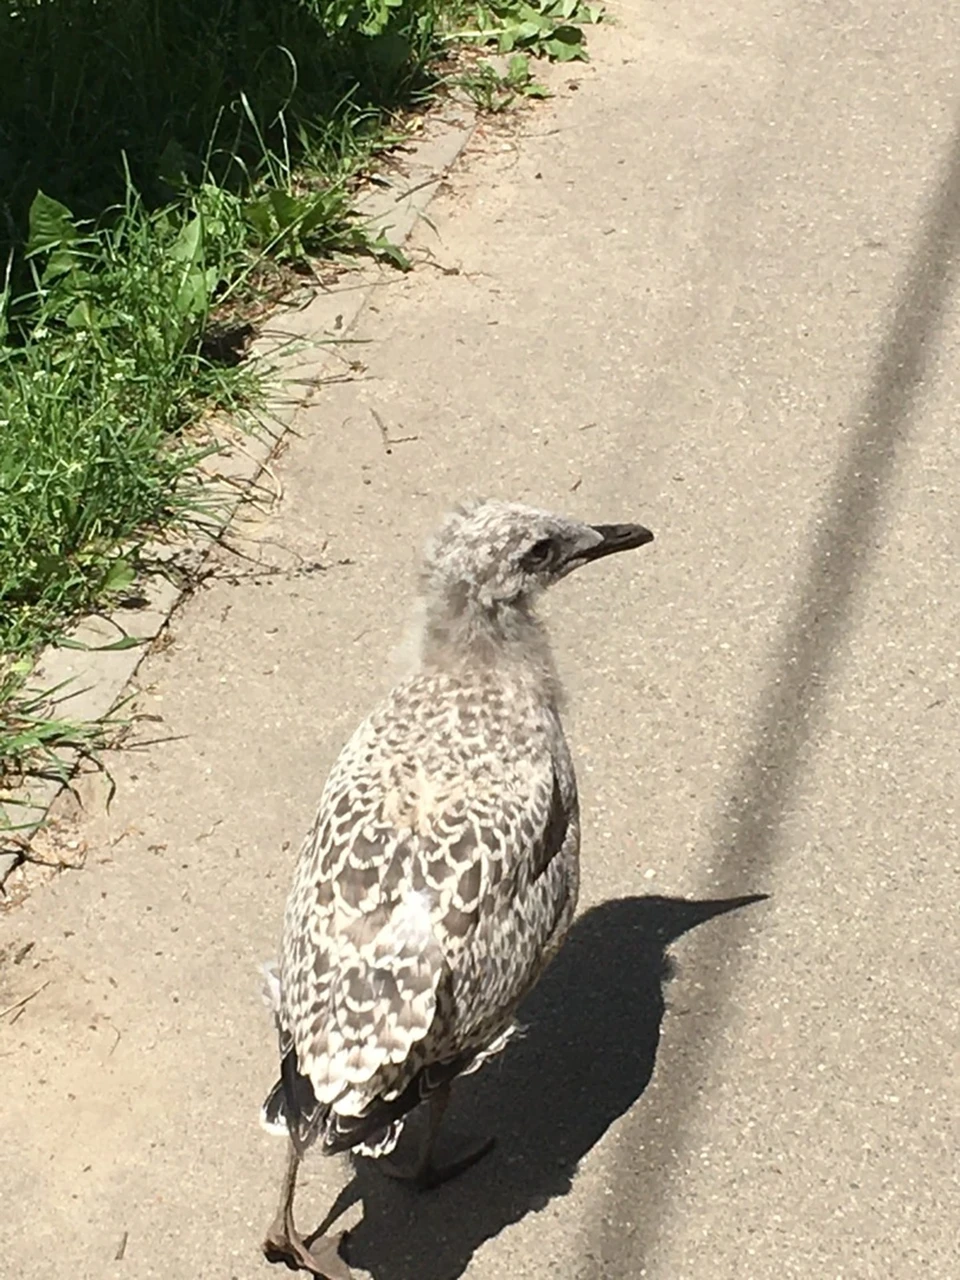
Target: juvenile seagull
{"points": [[441, 873]]}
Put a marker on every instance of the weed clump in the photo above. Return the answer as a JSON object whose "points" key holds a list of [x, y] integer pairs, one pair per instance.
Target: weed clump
{"points": [[157, 163]]}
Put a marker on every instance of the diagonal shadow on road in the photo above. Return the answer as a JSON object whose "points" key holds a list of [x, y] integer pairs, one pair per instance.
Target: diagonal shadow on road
{"points": [[588, 1054], [764, 779]]}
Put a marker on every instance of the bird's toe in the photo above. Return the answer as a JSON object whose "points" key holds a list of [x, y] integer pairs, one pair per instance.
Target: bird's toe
{"points": [[321, 1257]]}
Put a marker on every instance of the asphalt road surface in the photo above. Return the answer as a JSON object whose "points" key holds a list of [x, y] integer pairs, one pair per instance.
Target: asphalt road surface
{"points": [[712, 289]]}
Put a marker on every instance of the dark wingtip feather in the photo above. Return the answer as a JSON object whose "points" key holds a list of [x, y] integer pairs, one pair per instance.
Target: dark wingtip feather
{"points": [[273, 1113], [291, 1105], [373, 1128]]}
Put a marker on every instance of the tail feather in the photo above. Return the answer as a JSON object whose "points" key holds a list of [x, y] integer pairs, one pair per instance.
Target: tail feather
{"points": [[293, 1103], [273, 1113], [291, 1107], [378, 1129]]}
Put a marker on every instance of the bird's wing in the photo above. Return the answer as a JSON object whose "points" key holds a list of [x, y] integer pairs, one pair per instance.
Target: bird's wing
{"points": [[529, 842], [360, 969], [392, 887]]}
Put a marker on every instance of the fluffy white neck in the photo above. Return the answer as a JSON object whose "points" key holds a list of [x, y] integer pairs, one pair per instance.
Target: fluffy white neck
{"points": [[508, 641]]}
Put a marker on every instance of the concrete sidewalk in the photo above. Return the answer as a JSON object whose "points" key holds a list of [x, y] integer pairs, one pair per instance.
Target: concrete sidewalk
{"points": [[712, 289]]}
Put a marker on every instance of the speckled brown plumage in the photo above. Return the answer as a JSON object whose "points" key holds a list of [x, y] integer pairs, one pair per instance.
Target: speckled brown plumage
{"points": [[441, 873]]}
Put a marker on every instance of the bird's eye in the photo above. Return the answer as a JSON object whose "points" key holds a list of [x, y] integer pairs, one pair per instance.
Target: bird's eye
{"points": [[539, 554]]}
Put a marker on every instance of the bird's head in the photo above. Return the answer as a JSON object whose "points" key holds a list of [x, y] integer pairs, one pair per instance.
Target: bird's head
{"points": [[492, 555]]}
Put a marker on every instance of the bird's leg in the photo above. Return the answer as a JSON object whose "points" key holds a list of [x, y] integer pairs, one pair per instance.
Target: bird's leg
{"points": [[285, 1242], [422, 1171]]}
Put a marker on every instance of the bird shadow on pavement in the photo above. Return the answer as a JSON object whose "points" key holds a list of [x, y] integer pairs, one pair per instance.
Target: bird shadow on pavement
{"points": [[593, 1026]]}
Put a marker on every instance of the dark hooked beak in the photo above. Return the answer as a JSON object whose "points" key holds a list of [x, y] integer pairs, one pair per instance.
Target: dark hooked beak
{"points": [[616, 537]]}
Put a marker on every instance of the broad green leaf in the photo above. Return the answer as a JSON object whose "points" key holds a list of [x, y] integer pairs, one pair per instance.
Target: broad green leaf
{"points": [[258, 215], [82, 316], [119, 576], [287, 209], [518, 69], [51, 224], [194, 293], [53, 231], [314, 217], [565, 45], [186, 247]]}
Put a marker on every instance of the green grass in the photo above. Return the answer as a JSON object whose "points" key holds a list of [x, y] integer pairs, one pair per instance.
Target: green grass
{"points": [[158, 160], [39, 743]]}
